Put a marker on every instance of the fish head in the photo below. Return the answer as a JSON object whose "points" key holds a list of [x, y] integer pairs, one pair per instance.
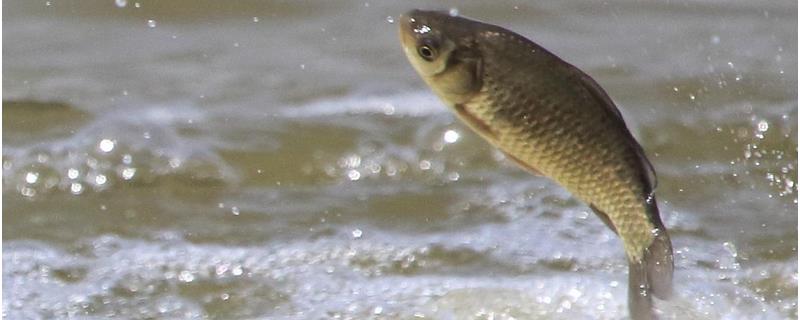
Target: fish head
{"points": [[441, 48]]}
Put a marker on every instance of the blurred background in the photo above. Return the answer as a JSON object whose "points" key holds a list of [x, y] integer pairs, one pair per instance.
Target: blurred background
{"points": [[280, 159]]}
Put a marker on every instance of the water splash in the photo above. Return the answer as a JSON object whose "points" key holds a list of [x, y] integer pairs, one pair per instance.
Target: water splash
{"points": [[451, 136]]}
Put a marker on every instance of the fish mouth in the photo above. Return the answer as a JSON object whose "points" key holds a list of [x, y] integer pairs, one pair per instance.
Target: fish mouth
{"points": [[406, 24]]}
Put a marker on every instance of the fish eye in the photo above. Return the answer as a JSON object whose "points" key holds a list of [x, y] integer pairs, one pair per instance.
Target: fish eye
{"points": [[427, 52]]}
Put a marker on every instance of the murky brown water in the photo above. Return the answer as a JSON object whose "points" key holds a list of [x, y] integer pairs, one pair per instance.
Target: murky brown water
{"points": [[247, 159]]}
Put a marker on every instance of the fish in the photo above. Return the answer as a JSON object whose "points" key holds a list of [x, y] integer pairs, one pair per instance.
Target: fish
{"points": [[552, 120]]}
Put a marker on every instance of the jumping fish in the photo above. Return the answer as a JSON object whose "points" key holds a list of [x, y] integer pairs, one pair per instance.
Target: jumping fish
{"points": [[553, 120]]}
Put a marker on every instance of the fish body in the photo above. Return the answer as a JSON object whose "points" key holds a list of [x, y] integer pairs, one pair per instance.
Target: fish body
{"points": [[554, 120]]}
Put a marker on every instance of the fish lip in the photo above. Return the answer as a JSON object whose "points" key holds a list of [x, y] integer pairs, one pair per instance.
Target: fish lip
{"points": [[406, 28]]}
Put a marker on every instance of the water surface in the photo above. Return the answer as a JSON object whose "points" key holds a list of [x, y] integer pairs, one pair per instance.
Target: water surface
{"points": [[221, 160]]}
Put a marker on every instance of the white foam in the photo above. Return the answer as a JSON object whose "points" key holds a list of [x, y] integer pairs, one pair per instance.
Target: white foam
{"points": [[413, 104], [347, 277]]}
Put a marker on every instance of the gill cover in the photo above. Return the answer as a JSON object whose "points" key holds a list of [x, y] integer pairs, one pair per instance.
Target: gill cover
{"points": [[450, 66]]}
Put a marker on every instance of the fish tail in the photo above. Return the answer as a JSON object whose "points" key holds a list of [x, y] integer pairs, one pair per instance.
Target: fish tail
{"points": [[658, 260], [652, 275], [640, 303]]}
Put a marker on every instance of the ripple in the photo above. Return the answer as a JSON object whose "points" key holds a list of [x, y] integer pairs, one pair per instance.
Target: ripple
{"points": [[112, 151]]}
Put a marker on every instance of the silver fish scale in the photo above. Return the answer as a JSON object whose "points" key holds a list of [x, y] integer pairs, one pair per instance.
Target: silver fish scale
{"points": [[539, 116]]}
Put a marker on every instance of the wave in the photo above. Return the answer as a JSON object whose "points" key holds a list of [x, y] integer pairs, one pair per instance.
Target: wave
{"points": [[119, 146], [415, 104]]}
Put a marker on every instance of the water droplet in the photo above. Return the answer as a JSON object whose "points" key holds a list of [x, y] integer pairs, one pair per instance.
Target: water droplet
{"points": [[377, 310], [453, 12], [350, 161], [42, 158], [655, 232], [76, 188], [451, 136], [186, 276], [715, 39], [731, 248], [353, 175], [121, 3], [31, 177], [389, 19], [47, 3], [574, 293], [424, 164], [151, 23], [388, 109], [237, 270], [100, 179], [374, 167], [128, 173], [106, 145], [73, 173], [453, 176], [27, 192], [302, 66], [137, 5], [235, 44], [235, 211], [91, 162], [357, 233], [174, 163], [763, 125], [255, 19], [423, 29]]}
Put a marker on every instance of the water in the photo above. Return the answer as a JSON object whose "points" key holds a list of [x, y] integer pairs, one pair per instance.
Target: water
{"points": [[221, 160]]}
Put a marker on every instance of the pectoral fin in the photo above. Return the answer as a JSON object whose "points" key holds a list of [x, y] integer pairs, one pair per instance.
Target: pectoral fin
{"points": [[523, 165], [603, 216], [481, 127]]}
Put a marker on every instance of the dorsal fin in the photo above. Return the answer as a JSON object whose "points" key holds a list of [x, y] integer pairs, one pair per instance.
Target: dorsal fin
{"points": [[605, 101]]}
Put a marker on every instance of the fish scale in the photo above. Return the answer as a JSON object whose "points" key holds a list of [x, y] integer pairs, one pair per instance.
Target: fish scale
{"points": [[551, 118], [553, 155]]}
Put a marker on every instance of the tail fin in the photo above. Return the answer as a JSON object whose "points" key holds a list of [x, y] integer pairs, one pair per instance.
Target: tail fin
{"points": [[652, 275], [658, 263]]}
